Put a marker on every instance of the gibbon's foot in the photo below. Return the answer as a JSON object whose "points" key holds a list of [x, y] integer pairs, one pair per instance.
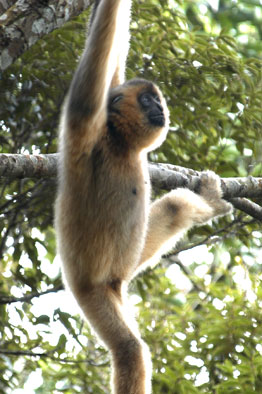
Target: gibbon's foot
{"points": [[211, 191]]}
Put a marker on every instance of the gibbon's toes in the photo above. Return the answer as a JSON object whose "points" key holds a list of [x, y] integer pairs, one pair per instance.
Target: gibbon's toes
{"points": [[211, 190], [210, 185]]}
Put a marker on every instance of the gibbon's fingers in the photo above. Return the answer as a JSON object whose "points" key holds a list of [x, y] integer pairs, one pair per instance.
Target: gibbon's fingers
{"points": [[107, 309]]}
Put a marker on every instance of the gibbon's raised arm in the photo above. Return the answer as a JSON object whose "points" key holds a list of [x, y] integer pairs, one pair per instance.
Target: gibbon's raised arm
{"points": [[101, 64], [119, 75]]}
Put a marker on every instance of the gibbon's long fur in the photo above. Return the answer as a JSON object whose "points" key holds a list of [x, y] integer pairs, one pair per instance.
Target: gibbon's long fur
{"points": [[106, 229]]}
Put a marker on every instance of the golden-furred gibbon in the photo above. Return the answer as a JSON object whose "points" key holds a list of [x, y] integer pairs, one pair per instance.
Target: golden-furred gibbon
{"points": [[107, 231]]}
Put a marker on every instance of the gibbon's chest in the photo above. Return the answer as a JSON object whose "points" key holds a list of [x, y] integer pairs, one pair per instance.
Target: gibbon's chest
{"points": [[119, 187]]}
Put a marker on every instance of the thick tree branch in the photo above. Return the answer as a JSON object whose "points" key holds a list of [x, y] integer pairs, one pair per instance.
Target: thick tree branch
{"points": [[168, 177], [163, 176], [26, 21], [28, 166]]}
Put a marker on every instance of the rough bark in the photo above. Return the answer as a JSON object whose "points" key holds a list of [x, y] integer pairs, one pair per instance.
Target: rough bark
{"points": [[4, 5], [24, 22], [28, 166], [168, 176]]}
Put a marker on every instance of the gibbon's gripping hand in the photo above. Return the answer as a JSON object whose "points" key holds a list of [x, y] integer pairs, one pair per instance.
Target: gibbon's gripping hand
{"points": [[211, 191]]}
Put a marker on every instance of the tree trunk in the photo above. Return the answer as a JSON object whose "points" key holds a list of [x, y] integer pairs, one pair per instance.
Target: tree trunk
{"points": [[24, 22]]}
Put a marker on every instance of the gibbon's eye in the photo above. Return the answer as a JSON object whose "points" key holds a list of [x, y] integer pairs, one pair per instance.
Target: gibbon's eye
{"points": [[146, 100], [116, 99]]}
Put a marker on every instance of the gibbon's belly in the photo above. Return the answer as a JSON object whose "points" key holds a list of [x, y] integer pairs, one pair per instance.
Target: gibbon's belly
{"points": [[104, 236]]}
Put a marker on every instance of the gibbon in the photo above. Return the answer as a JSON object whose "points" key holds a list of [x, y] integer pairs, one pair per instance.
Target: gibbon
{"points": [[106, 229]]}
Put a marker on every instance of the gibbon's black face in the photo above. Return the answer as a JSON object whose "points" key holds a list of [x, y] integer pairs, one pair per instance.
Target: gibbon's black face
{"points": [[150, 104]]}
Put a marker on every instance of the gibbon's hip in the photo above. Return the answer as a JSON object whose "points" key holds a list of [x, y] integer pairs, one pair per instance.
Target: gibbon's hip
{"points": [[96, 246]]}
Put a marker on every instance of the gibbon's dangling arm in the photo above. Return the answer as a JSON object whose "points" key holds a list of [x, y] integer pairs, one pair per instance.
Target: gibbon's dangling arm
{"points": [[98, 66]]}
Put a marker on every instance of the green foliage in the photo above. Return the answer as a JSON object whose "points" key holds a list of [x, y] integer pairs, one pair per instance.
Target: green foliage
{"points": [[211, 341], [205, 335], [209, 86]]}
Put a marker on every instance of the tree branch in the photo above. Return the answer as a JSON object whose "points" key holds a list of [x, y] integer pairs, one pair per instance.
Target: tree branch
{"points": [[29, 353], [163, 176], [26, 21], [28, 166], [28, 297], [215, 237], [168, 177], [247, 206]]}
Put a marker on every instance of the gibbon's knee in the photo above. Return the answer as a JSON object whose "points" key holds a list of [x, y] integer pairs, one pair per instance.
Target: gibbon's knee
{"points": [[183, 209], [169, 218]]}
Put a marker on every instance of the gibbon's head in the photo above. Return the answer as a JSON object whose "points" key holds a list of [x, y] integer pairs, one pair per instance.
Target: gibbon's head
{"points": [[138, 117]]}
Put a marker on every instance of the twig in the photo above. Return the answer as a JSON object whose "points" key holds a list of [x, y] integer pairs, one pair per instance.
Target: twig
{"points": [[29, 297], [47, 355]]}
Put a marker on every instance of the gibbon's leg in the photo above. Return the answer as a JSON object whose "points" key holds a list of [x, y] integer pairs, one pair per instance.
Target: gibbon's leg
{"points": [[106, 308], [179, 210]]}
